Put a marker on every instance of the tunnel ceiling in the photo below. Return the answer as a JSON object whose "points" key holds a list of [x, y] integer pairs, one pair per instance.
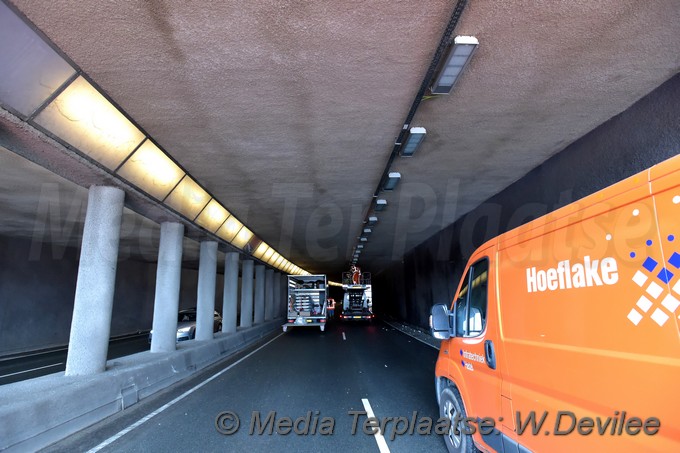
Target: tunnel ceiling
{"points": [[287, 111]]}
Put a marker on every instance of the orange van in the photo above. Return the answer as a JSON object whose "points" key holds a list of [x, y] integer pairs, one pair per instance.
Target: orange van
{"points": [[563, 335]]}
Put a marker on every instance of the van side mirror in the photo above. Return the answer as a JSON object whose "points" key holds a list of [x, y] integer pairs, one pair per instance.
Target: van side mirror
{"points": [[440, 326]]}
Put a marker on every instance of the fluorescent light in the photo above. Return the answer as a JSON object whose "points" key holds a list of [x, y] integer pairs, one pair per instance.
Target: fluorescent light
{"points": [[415, 138], [151, 170], [188, 198], [261, 250], [213, 216], [41, 87], [363, 239], [268, 254], [229, 229], [273, 258], [459, 56], [367, 231], [360, 246], [372, 220], [85, 119], [380, 204], [242, 238], [392, 179], [30, 70]]}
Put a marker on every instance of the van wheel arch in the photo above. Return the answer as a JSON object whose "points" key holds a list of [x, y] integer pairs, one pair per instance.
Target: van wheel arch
{"points": [[449, 395]]}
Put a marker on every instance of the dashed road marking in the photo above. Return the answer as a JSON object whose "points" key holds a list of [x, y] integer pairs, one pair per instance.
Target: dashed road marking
{"points": [[382, 444]]}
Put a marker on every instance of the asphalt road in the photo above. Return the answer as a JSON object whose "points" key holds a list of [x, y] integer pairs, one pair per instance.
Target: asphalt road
{"points": [[321, 381], [28, 366]]}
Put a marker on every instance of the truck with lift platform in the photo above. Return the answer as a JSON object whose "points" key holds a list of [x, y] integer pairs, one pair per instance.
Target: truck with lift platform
{"points": [[357, 302]]}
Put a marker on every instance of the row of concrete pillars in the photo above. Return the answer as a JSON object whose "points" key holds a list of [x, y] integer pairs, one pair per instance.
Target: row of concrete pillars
{"points": [[262, 290]]}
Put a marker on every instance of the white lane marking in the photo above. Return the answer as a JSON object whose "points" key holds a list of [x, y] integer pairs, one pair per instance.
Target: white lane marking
{"points": [[32, 369], [343, 336], [382, 445], [406, 333], [139, 422]]}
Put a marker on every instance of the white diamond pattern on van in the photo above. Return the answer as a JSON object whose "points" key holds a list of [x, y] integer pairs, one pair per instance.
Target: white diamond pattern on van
{"points": [[635, 317], [670, 303], [654, 290], [651, 271], [659, 317], [640, 279], [644, 304]]}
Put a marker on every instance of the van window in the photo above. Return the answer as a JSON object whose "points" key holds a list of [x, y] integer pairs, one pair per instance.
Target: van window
{"points": [[471, 304]]}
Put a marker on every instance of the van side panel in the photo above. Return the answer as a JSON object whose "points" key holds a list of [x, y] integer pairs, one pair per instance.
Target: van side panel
{"points": [[583, 323]]}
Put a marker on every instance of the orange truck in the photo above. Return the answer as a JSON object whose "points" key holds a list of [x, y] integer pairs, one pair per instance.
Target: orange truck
{"points": [[564, 335]]}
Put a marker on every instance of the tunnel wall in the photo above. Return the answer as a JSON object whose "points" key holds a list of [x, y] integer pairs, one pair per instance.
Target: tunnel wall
{"points": [[37, 292], [645, 134]]}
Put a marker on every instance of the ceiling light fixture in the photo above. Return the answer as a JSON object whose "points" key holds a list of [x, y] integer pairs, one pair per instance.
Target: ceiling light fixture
{"points": [[415, 137], [85, 119], [372, 220], [380, 204], [261, 250], [30, 70], [392, 179], [152, 170], [459, 56], [213, 216], [43, 88]]}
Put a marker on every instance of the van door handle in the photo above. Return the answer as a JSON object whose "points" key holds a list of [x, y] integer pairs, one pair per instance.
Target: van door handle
{"points": [[490, 354]]}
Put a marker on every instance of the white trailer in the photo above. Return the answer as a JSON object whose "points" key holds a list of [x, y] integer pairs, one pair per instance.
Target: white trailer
{"points": [[306, 301]]}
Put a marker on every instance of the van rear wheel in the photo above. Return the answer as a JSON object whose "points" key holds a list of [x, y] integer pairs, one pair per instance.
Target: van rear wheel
{"points": [[451, 407]]}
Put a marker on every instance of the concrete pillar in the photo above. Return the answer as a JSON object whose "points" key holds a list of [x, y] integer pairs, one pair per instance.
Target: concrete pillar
{"points": [[259, 294], [283, 309], [168, 276], [274, 314], [247, 293], [269, 294], [91, 323], [205, 305], [230, 296]]}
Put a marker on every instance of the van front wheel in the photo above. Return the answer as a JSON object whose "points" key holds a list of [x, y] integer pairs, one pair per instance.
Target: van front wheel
{"points": [[451, 407]]}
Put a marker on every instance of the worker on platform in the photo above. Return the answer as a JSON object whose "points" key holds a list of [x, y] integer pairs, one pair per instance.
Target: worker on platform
{"points": [[356, 275]]}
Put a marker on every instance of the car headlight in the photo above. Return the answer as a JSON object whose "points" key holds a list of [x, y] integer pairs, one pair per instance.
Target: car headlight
{"points": [[184, 330]]}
